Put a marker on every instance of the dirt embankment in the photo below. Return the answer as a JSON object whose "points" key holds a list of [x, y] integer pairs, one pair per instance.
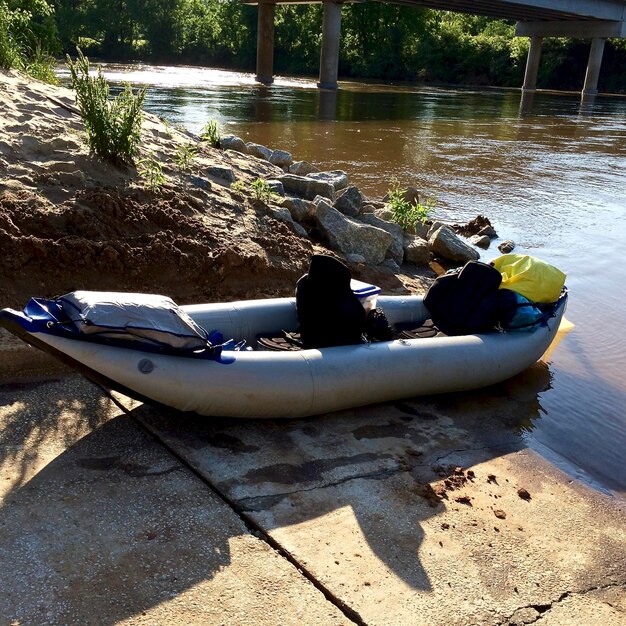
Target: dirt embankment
{"points": [[69, 221]]}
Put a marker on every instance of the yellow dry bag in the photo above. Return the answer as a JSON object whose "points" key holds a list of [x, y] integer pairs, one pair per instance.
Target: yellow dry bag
{"points": [[531, 277]]}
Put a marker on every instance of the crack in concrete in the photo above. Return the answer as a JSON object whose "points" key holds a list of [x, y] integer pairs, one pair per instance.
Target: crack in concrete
{"points": [[255, 529], [279, 496], [544, 608], [480, 449]]}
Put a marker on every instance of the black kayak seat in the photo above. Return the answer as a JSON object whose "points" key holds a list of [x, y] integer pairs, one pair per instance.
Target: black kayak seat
{"points": [[329, 312]]}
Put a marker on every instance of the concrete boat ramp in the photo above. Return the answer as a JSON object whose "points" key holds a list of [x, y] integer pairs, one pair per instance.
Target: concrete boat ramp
{"points": [[426, 511]]}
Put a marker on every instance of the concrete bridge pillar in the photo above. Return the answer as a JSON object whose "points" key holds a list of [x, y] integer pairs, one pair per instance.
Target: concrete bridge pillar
{"points": [[593, 66], [532, 64], [265, 43], [329, 56]]}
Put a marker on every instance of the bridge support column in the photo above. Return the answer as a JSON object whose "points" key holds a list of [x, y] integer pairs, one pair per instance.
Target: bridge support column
{"points": [[532, 64], [329, 56], [593, 66], [265, 43]]}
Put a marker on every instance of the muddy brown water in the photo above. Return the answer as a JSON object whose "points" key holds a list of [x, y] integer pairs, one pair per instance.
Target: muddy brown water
{"points": [[549, 171]]}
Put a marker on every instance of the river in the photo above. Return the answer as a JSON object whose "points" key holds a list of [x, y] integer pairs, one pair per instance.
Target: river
{"points": [[548, 171]]}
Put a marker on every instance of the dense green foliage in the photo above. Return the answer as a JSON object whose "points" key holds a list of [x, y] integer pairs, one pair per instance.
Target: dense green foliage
{"points": [[379, 40], [28, 37], [113, 125]]}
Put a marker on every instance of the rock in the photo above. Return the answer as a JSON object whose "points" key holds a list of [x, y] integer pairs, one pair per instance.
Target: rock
{"points": [[506, 246], [349, 236], [411, 194], [349, 201], [282, 158], [416, 250], [300, 209], [447, 244], [396, 249], [391, 265], [306, 187], [319, 199], [231, 142], [488, 231], [421, 229], [377, 204], [198, 181], [368, 208], [523, 494], [481, 241], [355, 258], [499, 513], [337, 178], [302, 168], [223, 173], [384, 214], [434, 227], [473, 227], [275, 186], [284, 215], [259, 151]]}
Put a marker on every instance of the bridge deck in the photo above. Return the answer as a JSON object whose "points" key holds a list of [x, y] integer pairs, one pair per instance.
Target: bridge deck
{"points": [[520, 10]]}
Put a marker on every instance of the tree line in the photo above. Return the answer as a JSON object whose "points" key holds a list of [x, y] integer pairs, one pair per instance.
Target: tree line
{"points": [[379, 40]]}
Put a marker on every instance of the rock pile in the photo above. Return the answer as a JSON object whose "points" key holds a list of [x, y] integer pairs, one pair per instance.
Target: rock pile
{"points": [[324, 204]]}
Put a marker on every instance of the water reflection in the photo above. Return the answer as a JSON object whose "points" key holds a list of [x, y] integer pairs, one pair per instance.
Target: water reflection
{"points": [[526, 103]]}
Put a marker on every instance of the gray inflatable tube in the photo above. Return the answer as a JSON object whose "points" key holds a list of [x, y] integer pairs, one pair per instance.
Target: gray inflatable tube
{"points": [[308, 382]]}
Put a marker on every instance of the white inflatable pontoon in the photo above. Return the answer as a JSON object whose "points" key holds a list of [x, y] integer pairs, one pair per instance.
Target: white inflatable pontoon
{"points": [[253, 383]]}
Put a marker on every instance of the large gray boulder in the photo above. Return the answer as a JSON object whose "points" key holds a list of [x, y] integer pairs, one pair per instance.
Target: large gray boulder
{"points": [[259, 151], [281, 158], [349, 236], [337, 178], [232, 142], [284, 215], [306, 187], [302, 168], [300, 209], [416, 250], [447, 244], [349, 201], [396, 249], [275, 186]]}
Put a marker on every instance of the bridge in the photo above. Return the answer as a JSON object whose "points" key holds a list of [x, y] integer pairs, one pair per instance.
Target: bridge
{"points": [[597, 20]]}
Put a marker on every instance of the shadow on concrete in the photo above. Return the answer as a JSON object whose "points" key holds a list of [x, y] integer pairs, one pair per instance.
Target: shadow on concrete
{"points": [[105, 529], [381, 462]]}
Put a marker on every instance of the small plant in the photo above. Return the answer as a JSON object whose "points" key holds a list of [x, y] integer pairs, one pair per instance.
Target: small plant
{"points": [[185, 156], [211, 133], [261, 190], [408, 214], [113, 126], [238, 186], [151, 171]]}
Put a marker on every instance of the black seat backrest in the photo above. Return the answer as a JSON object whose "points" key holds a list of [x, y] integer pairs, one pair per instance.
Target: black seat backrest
{"points": [[328, 311], [468, 301]]}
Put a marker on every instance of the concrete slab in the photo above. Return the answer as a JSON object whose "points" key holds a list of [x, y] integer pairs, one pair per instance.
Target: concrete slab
{"points": [[101, 525], [428, 511]]}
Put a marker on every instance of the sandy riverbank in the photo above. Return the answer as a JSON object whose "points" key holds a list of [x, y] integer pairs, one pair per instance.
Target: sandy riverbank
{"points": [[69, 221]]}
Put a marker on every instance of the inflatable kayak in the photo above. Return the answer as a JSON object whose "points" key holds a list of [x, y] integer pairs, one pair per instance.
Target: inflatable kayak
{"points": [[237, 379]]}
